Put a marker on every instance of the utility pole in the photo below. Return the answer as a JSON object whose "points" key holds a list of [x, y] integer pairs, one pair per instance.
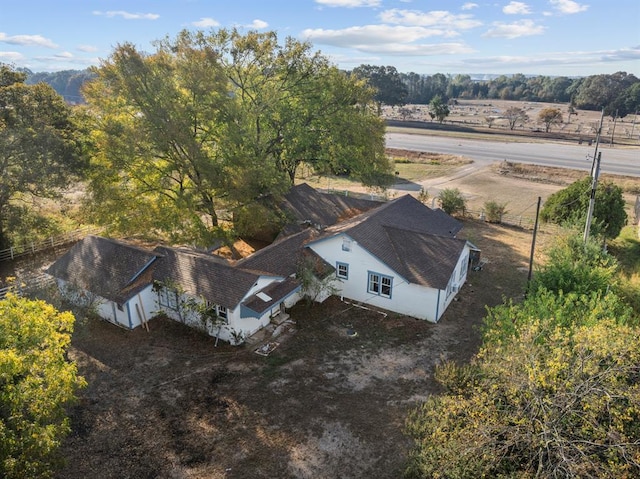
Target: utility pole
{"points": [[595, 153], [592, 200], [615, 118], [595, 170], [533, 241]]}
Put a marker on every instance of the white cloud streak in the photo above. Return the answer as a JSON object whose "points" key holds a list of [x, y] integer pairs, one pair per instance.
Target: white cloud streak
{"points": [[206, 22], [127, 15], [568, 6], [258, 24], [349, 3], [387, 39], [27, 40], [522, 28], [516, 8], [437, 18]]}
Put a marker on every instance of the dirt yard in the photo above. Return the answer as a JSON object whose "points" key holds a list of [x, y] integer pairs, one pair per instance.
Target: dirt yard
{"points": [[170, 404]]}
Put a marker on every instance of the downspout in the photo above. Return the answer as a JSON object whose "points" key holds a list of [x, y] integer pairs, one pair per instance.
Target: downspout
{"points": [[438, 306], [115, 315], [129, 315]]}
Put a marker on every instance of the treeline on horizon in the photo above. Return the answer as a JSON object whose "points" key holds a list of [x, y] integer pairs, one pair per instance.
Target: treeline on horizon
{"points": [[618, 93]]}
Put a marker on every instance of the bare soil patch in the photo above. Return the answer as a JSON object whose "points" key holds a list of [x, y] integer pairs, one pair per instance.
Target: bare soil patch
{"points": [[170, 404]]}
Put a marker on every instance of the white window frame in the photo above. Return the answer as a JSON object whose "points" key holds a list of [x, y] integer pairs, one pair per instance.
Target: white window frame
{"points": [[346, 244], [222, 312], [344, 272], [168, 298], [377, 283]]}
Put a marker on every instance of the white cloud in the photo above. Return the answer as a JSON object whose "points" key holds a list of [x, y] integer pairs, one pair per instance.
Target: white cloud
{"points": [[469, 6], [568, 6], [369, 35], [64, 55], [27, 40], [206, 22], [516, 8], [416, 49], [438, 18], [127, 15], [87, 48], [386, 39], [522, 28], [10, 57], [258, 24], [574, 58], [349, 3]]}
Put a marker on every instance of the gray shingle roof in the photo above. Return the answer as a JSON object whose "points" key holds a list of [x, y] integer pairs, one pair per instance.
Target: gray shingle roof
{"points": [[305, 204], [204, 275], [409, 237], [104, 266], [421, 258], [405, 213], [277, 291], [281, 258]]}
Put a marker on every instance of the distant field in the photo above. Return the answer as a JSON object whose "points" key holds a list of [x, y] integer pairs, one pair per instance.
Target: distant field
{"points": [[475, 114]]}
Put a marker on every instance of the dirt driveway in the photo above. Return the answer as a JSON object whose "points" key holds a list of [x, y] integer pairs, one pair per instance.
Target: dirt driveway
{"points": [[170, 404]]}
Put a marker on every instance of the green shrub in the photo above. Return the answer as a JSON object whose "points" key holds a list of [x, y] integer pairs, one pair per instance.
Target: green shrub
{"points": [[494, 211]]}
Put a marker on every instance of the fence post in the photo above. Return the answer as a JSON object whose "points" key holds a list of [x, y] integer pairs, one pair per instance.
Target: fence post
{"points": [[33, 247], [11, 251]]}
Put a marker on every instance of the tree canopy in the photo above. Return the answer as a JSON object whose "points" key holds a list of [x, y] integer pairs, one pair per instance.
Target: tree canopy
{"points": [[550, 117], [570, 205], [613, 92], [438, 109], [36, 383], [40, 150], [209, 122], [553, 391]]}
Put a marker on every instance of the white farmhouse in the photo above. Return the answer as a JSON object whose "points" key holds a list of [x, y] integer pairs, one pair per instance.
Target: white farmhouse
{"points": [[400, 256]]}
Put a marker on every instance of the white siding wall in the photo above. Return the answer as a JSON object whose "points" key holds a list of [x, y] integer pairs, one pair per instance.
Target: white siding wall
{"points": [[410, 299], [405, 298], [235, 327]]}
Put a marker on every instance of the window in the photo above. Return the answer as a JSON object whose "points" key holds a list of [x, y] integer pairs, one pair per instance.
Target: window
{"points": [[221, 311], [168, 297], [342, 270], [346, 244], [464, 267], [380, 284]]}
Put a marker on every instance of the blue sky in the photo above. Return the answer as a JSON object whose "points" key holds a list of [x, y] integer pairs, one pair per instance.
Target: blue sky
{"points": [[545, 37]]}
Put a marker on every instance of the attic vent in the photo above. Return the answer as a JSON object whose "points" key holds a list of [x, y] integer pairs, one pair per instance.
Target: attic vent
{"points": [[264, 297]]}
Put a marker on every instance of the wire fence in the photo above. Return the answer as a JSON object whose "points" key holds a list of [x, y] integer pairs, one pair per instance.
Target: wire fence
{"points": [[21, 287], [33, 247]]}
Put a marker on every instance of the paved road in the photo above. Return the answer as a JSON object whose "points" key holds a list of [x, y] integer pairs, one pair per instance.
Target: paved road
{"points": [[621, 161]]}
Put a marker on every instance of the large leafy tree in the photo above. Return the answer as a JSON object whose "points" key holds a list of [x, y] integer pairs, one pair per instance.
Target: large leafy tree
{"points": [[390, 89], [36, 383], [438, 109], [570, 205], [547, 402], [40, 151], [160, 121], [550, 117], [513, 115], [553, 391], [212, 121]]}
